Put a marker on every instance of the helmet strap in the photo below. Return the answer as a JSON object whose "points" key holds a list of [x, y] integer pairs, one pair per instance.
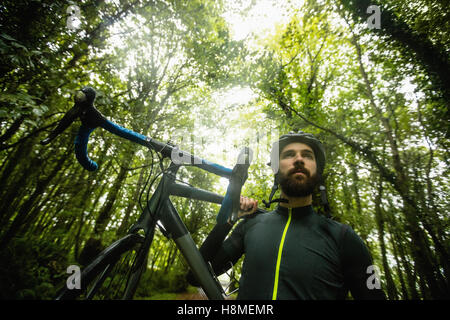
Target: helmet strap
{"points": [[272, 193], [324, 199]]}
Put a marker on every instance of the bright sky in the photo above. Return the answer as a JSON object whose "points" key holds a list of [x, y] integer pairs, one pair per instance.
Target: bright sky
{"points": [[260, 19]]}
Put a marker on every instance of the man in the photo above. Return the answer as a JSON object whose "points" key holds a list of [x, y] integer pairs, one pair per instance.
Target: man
{"points": [[292, 252]]}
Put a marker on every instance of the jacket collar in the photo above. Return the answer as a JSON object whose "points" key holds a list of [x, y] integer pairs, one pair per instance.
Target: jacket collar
{"points": [[296, 212]]}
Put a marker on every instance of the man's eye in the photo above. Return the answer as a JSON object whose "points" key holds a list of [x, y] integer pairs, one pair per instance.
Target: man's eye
{"points": [[288, 155]]}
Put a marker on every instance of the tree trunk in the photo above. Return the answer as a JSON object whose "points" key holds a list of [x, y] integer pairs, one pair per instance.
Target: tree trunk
{"points": [[105, 213], [94, 244], [12, 129], [395, 230], [400, 275], [391, 289], [27, 205], [17, 158], [124, 225]]}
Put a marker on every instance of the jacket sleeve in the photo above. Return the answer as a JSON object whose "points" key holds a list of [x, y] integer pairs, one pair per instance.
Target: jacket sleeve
{"points": [[359, 271], [221, 253]]}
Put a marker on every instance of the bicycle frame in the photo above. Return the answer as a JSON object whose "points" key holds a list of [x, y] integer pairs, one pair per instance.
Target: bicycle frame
{"points": [[174, 228]]}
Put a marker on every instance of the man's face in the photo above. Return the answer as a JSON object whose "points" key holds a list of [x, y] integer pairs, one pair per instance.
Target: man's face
{"points": [[298, 170]]}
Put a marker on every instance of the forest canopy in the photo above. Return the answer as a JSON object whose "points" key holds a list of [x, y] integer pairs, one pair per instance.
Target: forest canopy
{"points": [[374, 88]]}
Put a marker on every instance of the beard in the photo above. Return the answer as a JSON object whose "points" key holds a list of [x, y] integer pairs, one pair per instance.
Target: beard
{"points": [[302, 186]]}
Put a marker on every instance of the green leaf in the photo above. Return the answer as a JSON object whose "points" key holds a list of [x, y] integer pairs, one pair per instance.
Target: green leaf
{"points": [[7, 37]]}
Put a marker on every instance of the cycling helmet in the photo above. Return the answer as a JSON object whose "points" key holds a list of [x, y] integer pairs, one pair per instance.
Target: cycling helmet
{"points": [[303, 137]]}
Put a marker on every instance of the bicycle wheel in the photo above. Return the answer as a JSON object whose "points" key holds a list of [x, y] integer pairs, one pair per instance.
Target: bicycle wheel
{"points": [[114, 274]]}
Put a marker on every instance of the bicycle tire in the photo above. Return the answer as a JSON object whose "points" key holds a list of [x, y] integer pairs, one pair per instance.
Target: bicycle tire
{"points": [[95, 276]]}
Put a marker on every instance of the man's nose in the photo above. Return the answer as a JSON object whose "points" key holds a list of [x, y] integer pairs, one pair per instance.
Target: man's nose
{"points": [[299, 159]]}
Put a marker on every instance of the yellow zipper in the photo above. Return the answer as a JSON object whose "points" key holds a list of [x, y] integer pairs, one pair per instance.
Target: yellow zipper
{"points": [[280, 252]]}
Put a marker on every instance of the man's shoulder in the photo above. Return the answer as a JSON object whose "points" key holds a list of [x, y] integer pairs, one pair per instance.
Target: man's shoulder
{"points": [[330, 222], [344, 234], [255, 219], [337, 230]]}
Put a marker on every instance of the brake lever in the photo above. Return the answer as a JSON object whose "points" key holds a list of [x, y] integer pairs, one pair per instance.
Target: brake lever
{"points": [[84, 99], [63, 124]]}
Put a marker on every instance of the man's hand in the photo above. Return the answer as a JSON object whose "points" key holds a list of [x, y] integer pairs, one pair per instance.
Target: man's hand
{"points": [[248, 206]]}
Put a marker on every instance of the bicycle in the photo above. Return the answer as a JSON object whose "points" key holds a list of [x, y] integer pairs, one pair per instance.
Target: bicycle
{"points": [[159, 210]]}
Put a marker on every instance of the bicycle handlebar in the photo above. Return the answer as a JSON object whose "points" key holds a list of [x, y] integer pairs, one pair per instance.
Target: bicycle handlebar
{"points": [[91, 118]]}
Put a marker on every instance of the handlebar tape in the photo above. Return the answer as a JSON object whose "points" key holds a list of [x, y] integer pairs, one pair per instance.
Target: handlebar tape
{"points": [[226, 207], [124, 132], [81, 142]]}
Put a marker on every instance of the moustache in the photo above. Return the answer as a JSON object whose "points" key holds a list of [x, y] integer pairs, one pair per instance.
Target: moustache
{"points": [[300, 169]]}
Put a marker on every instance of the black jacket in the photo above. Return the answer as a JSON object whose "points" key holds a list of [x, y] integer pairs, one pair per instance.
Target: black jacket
{"points": [[293, 254]]}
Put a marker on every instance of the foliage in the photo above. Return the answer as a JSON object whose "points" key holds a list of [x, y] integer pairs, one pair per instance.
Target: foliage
{"points": [[29, 269], [378, 98]]}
